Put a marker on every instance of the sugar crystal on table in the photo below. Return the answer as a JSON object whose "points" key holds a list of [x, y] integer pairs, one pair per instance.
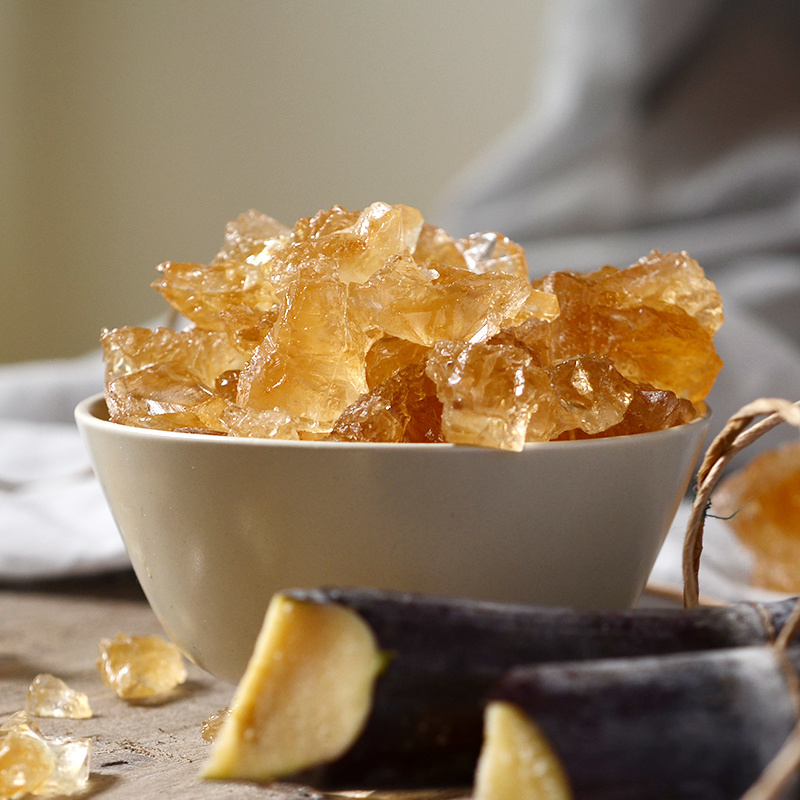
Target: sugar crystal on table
{"points": [[49, 696], [31, 763], [140, 668]]}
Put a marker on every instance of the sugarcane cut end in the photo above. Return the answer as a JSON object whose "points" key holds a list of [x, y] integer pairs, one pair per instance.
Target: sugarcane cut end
{"points": [[304, 697], [516, 761]]}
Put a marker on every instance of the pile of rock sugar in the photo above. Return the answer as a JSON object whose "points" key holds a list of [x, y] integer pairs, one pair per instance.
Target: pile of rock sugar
{"points": [[375, 326]]}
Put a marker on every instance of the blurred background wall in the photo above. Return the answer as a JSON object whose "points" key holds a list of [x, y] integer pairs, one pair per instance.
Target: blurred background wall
{"points": [[131, 132]]}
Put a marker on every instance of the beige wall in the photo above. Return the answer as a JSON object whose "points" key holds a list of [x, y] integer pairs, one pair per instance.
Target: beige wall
{"points": [[130, 132]]}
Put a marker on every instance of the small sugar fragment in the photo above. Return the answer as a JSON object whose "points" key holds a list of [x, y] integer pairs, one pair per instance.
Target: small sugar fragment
{"points": [[211, 724], [49, 696], [141, 668]]}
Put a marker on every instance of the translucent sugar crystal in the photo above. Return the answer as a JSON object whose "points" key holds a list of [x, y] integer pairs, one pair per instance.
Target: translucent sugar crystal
{"points": [[404, 408], [254, 424], [436, 244], [202, 292], [390, 354], [140, 668], [252, 237], [203, 354], [432, 302], [236, 277], [489, 392], [32, 764], [212, 724], [493, 252], [49, 696], [656, 330], [359, 243], [534, 335], [168, 379], [311, 364], [246, 328], [71, 768], [649, 410], [670, 279], [653, 409], [761, 503], [164, 397], [26, 762], [593, 394]]}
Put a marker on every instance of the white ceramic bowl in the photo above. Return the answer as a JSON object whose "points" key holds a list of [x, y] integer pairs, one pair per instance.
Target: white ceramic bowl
{"points": [[215, 525]]}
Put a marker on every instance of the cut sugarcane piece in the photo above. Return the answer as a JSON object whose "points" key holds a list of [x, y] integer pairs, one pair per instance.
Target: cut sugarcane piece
{"points": [[516, 761], [426, 722], [304, 697], [698, 726]]}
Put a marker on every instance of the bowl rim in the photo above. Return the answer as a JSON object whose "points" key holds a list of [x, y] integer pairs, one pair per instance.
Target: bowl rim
{"points": [[92, 412]]}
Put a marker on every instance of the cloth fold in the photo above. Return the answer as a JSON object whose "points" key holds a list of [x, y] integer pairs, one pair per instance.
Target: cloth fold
{"points": [[54, 520]]}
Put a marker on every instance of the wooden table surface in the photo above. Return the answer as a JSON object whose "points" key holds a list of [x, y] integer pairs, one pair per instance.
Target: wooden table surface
{"points": [[137, 751]]}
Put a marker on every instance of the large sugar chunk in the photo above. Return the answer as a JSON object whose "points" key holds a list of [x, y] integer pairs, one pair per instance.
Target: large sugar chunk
{"points": [[203, 354], [669, 279], [493, 252], [167, 379], [311, 364], [32, 764], [594, 396], [359, 243], [201, 292], [404, 408], [436, 244], [432, 302], [489, 392], [252, 237], [655, 332], [389, 355], [238, 276]]}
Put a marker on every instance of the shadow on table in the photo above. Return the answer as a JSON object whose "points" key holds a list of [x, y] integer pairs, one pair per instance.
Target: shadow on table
{"points": [[121, 585]]}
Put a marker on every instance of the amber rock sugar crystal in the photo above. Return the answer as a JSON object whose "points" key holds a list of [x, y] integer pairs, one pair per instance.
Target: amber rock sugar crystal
{"points": [[32, 764], [141, 668], [212, 724], [376, 326], [49, 696]]}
